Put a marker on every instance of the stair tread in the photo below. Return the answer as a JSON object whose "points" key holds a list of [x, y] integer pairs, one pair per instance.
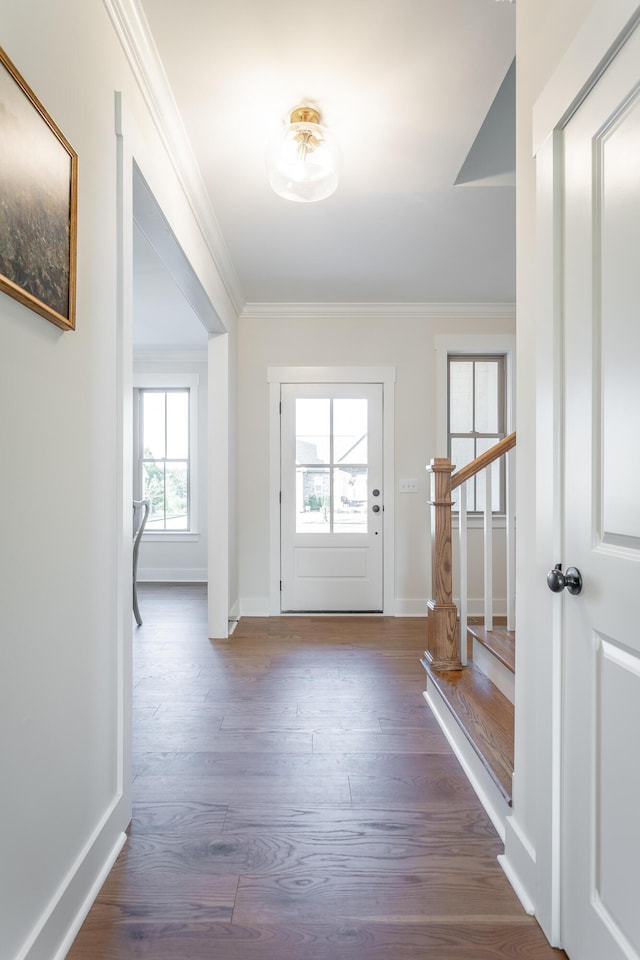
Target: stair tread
{"points": [[499, 641], [485, 716]]}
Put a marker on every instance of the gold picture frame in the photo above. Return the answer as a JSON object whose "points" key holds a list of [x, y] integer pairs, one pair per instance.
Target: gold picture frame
{"points": [[38, 204]]}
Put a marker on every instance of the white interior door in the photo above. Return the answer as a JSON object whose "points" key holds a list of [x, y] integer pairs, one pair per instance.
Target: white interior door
{"points": [[601, 787], [331, 498]]}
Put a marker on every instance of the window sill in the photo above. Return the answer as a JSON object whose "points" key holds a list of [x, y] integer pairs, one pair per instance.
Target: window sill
{"points": [[170, 536]]}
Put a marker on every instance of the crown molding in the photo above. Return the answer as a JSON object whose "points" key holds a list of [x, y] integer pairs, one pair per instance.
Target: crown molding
{"points": [[135, 37], [380, 311]]}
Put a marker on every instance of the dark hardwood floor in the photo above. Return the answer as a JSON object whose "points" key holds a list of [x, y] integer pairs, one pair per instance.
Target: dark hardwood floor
{"points": [[294, 799]]}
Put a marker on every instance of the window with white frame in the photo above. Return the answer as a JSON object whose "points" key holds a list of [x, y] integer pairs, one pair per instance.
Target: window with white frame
{"points": [[164, 453], [476, 420]]}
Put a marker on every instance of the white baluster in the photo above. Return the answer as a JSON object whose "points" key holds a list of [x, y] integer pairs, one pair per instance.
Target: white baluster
{"points": [[488, 552], [462, 533]]}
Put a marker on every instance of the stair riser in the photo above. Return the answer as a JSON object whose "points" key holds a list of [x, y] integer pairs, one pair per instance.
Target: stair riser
{"points": [[499, 675]]}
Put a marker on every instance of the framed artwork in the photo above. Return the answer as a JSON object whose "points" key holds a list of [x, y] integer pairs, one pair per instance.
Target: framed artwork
{"points": [[38, 204]]}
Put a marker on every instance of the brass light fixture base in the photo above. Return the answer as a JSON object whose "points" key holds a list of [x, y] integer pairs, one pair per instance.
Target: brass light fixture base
{"points": [[304, 115]]}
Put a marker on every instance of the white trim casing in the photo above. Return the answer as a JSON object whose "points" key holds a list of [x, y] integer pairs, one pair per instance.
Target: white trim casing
{"points": [[602, 34], [219, 494], [276, 376]]}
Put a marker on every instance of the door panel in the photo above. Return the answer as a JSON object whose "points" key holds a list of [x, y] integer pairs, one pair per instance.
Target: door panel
{"points": [[331, 505], [601, 786], [618, 849]]}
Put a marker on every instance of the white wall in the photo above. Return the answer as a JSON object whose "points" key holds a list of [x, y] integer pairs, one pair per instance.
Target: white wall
{"points": [[406, 342], [177, 558], [65, 786], [543, 33]]}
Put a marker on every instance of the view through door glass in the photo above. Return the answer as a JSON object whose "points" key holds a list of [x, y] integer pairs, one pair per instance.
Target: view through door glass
{"points": [[331, 465]]}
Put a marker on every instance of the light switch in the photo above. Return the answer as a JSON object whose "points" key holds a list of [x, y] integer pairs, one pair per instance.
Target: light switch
{"points": [[408, 486]]}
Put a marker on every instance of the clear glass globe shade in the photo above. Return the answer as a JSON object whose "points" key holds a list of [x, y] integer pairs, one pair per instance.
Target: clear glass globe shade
{"points": [[302, 162]]}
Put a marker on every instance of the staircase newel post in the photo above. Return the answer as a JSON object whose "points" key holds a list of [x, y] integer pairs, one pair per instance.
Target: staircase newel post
{"points": [[443, 642]]}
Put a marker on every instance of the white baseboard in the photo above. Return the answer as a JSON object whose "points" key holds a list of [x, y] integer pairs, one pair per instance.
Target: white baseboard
{"points": [[519, 864], [59, 923], [82, 913], [407, 607], [403, 606], [172, 575], [417, 607], [254, 607]]}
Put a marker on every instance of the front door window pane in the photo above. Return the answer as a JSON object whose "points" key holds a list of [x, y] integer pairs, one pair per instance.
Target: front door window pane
{"points": [[313, 431], [313, 500], [351, 499], [350, 431]]}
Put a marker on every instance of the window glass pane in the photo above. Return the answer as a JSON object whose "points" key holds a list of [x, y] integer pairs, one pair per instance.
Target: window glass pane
{"points": [[177, 425], [462, 453], [485, 444], [312, 430], [176, 496], [350, 431], [313, 500], [487, 399], [153, 490], [153, 424], [350, 491], [460, 396]]}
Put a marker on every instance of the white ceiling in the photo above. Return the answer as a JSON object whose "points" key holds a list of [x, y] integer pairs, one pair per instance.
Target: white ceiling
{"points": [[405, 85]]}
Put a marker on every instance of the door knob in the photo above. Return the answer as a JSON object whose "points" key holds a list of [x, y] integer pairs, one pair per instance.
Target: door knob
{"points": [[572, 580], [375, 508]]}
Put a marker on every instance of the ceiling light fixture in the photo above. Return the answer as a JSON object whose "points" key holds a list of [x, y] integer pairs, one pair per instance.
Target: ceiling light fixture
{"points": [[302, 158]]}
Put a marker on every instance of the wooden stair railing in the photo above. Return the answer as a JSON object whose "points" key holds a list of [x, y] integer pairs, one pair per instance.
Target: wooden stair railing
{"points": [[443, 639]]}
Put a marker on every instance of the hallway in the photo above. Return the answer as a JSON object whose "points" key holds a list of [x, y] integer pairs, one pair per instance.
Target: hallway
{"points": [[294, 799]]}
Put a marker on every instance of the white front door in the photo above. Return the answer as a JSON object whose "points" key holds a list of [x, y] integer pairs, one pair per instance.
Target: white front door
{"points": [[331, 498], [601, 750]]}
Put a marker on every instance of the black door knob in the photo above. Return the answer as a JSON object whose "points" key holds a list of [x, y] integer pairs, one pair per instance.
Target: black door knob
{"points": [[375, 508], [572, 580]]}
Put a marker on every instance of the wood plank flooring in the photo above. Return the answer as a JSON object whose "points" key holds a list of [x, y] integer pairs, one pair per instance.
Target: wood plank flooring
{"points": [[294, 798]]}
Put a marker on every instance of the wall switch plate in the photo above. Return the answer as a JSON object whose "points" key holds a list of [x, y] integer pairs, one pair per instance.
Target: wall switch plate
{"points": [[408, 486]]}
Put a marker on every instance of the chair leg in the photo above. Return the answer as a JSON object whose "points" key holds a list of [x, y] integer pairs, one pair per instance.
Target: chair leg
{"points": [[136, 611]]}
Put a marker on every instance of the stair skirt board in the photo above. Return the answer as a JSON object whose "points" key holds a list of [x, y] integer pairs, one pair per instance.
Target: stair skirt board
{"points": [[490, 797]]}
